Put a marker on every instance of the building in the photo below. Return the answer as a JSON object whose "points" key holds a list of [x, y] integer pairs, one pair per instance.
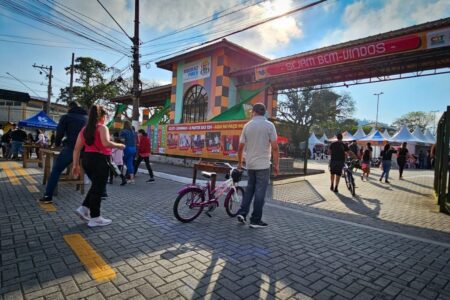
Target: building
{"points": [[16, 106], [203, 85]]}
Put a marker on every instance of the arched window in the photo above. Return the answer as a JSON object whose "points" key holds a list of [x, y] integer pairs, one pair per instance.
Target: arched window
{"points": [[195, 105]]}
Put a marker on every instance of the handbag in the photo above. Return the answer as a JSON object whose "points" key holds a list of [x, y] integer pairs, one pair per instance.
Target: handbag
{"points": [[112, 166]]}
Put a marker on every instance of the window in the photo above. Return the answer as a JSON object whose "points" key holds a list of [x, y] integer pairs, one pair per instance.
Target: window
{"points": [[195, 105]]}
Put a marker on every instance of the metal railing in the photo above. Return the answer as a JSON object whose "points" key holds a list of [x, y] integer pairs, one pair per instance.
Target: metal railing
{"points": [[441, 165]]}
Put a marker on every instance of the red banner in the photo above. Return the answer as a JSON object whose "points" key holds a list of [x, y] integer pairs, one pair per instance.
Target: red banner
{"points": [[369, 50]]}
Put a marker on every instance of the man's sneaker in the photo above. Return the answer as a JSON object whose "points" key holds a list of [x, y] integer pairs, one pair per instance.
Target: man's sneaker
{"points": [[241, 219], [336, 189], [124, 182], [46, 200], [259, 224], [99, 221], [84, 213], [331, 188], [151, 180]]}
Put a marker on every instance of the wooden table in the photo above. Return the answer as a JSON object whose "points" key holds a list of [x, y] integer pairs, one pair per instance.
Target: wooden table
{"points": [[48, 158], [26, 156], [209, 167]]}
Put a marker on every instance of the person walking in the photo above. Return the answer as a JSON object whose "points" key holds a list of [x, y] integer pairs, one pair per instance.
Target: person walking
{"points": [[259, 141], [365, 164], [129, 140], [18, 137], [402, 157], [95, 139], [69, 126], [144, 154], [117, 158], [338, 152], [6, 144], [386, 155]]}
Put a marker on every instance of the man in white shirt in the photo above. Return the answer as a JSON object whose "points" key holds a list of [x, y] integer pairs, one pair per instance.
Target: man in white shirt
{"points": [[259, 141]]}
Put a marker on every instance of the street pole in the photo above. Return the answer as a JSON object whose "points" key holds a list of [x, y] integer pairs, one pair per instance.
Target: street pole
{"points": [[49, 87], [378, 104], [434, 120], [71, 78], [136, 66]]}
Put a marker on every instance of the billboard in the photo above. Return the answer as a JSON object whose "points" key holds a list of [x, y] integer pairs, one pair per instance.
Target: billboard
{"points": [[197, 70], [214, 140], [406, 43]]}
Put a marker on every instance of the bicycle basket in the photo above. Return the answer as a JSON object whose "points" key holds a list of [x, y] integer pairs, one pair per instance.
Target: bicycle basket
{"points": [[236, 175]]}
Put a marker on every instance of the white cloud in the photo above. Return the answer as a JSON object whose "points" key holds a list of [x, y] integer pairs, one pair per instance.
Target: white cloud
{"points": [[360, 19], [163, 16]]}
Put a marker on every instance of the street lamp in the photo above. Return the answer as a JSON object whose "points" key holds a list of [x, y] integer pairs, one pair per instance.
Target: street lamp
{"points": [[378, 103]]}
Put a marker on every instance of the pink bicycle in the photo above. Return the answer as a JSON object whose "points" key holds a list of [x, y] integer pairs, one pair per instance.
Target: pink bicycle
{"points": [[192, 199]]}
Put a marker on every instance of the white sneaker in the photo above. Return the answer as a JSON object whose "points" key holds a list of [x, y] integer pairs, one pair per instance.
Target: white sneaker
{"points": [[131, 181], [99, 221], [84, 213]]}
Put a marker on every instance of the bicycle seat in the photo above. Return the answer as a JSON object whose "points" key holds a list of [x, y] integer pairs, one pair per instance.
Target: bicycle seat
{"points": [[208, 174]]}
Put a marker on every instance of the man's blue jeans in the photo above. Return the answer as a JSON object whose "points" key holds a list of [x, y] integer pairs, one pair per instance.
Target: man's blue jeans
{"points": [[258, 180], [387, 164], [63, 160], [16, 148]]}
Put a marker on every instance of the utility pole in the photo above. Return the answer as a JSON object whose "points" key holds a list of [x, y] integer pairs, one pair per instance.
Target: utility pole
{"points": [[378, 103], [136, 66], [71, 77], [434, 120], [48, 71]]}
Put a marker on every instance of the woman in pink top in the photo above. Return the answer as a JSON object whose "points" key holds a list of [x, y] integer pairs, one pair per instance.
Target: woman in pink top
{"points": [[97, 149]]}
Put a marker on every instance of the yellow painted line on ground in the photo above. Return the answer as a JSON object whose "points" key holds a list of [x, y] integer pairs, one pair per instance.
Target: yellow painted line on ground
{"points": [[11, 175], [95, 264], [24, 173], [48, 207], [32, 189]]}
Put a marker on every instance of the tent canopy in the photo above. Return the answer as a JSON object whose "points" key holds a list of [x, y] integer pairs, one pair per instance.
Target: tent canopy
{"points": [[386, 134], [403, 135], [359, 134], [429, 136], [41, 120], [418, 134], [313, 140], [376, 136], [324, 138]]}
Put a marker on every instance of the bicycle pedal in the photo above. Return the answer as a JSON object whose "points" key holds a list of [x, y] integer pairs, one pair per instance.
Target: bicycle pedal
{"points": [[208, 214]]}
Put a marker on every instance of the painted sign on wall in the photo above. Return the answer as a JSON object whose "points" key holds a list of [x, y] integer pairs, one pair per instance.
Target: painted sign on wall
{"points": [[215, 140], [197, 70]]}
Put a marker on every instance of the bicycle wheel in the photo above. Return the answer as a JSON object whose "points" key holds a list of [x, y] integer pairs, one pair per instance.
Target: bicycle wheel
{"points": [[186, 207], [351, 183], [233, 201]]}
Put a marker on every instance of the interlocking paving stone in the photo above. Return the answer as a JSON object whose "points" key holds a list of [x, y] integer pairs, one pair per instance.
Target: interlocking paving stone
{"points": [[298, 257]]}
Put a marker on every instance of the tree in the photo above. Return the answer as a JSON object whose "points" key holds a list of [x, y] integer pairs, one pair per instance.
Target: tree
{"points": [[301, 110], [93, 85], [413, 119]]}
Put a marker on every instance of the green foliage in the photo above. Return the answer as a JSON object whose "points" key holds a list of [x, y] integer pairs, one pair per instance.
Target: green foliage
{"points": [[413, 119], [300, 111], [93, 85]]}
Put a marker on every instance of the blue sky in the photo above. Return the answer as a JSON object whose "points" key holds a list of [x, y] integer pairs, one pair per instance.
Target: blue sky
{"points": [[327, 24]]}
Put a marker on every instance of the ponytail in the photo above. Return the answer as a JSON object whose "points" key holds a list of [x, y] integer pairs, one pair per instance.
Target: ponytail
{"points": [[95, 113]]}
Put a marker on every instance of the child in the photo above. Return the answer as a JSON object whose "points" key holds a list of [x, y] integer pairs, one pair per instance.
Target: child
{"points": [[365, 165], [143, 154], [117, 158]]}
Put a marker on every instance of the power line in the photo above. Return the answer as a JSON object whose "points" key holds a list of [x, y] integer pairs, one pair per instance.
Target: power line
{"points": [[46, 45], [30, 11], [245, 28], [23, 83], [123, 30], [206, 20]]}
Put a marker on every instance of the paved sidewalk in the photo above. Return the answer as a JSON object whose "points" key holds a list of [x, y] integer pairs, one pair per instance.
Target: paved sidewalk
{"points": [[306, 253]]}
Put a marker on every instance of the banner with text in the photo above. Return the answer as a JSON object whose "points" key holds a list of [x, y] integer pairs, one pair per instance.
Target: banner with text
{"points": [[215, 140]]}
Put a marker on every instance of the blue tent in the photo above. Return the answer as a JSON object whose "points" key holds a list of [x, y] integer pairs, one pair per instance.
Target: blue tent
{"points": [[41, 120]]}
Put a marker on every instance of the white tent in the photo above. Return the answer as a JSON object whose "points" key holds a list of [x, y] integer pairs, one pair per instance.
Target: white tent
{"points": [[429, 137], [418, 134], [376, 136], [386, 134], [312, 142], [403, 135], [359, 134], [347, 137], [324, 138]]}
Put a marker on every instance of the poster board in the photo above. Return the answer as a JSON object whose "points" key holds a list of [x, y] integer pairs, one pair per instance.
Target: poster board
{"points": [[213, 140]]}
